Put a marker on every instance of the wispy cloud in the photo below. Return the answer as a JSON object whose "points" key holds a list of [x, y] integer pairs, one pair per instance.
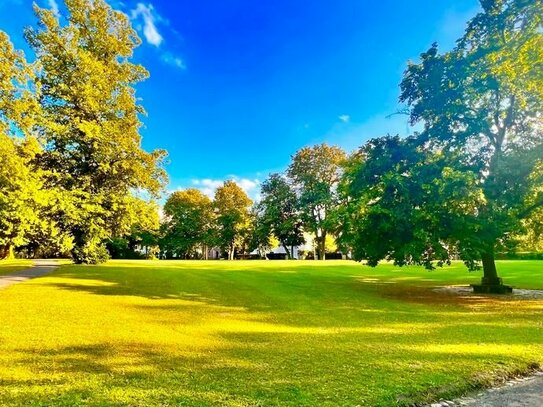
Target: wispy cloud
{"points": [[173, 60], [146, 14], [208, 186], [148, 21], [53, 5], [345, 118]]}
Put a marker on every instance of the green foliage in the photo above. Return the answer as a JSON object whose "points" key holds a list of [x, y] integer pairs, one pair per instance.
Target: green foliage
{"points": [[231, 205], [481, 107], [410, 205], [188, 223], [315, 173], [137, 229], [24, 203], [279, 214], [79, 99]]}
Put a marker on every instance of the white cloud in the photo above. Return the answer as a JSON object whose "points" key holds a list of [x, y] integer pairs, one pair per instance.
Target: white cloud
{"points": [[208, 186], [173, 60], [149, 17], [345, 118], [53, 5]]}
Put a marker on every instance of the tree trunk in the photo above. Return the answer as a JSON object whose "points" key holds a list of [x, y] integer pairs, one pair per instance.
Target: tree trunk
{"points": [[289, 256], [491, 283], [490, 273], [321, 243], [6, 252], [231, 253]]}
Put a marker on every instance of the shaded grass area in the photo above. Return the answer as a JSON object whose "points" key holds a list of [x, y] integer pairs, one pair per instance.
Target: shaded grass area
{"points": [[260, 334], [9, 266]]}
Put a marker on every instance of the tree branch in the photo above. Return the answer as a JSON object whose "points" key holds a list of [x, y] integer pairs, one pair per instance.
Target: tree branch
{"points": [[528, 211]]}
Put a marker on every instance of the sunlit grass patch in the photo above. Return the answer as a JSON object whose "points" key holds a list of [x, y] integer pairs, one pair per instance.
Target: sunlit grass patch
{"points": [[259, 333]]}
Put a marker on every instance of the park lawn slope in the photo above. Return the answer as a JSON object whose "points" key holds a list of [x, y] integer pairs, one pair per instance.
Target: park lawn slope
{"points": [[260, 334], [10, 266]]}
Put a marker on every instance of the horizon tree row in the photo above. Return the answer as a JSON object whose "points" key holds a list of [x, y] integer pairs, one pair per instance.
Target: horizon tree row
{"points": [[293, 203]]}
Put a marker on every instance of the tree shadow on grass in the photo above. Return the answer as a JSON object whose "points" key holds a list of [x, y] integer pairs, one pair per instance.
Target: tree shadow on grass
{"points": [[288, 373], [321, 300]]}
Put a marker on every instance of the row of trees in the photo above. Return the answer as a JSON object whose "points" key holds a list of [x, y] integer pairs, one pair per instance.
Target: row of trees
{"points": [[291, 204], [71, 162], [194, 223]]}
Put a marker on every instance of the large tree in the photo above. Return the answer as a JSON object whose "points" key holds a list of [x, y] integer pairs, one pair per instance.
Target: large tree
{"points": [[16, 181], [408, 204], [188, 223], [24, 203], [90, 123], [480, 107], [279, 212], [315, 173], [232, 208]]}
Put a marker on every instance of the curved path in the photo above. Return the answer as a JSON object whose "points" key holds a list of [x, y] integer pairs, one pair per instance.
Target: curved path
{"points": [[40, 268], [526, 392], [522, 392]]}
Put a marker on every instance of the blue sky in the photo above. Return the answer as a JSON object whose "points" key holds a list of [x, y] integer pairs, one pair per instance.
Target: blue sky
{"points": [[237, 86]]}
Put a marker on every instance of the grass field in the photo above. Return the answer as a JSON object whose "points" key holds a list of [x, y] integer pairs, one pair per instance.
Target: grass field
{"points": [[9, 266], [260, 334]]}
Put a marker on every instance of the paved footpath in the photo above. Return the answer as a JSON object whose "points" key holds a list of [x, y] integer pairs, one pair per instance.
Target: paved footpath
{"points": [[524, 392], [40, 268]]}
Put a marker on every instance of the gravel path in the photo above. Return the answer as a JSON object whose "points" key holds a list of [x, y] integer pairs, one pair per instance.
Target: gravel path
{"points": [[468, 291], [523, 392], [40, 268]]}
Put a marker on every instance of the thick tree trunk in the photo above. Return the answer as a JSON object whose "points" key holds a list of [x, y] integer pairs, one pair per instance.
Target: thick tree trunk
{"points": [[491, 283], [231, 253], [490, 273], [322, 247]]}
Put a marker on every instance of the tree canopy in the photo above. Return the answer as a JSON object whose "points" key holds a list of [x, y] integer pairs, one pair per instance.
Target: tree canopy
{"points": [[280, 212], [465, 183], [315, 173], [78, 101], [188, 222], [232, 208]]}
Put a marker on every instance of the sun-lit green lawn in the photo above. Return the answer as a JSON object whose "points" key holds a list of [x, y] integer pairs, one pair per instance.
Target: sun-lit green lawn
{"points": [[9, 266], [259, 334]]}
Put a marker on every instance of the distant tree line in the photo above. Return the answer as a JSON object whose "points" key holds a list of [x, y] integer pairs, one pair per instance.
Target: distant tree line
{"points": [[468, 184], [302, 200]]}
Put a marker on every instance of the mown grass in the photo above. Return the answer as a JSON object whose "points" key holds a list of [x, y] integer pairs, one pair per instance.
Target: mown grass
{"points": [[9, 266], [260, 334]]}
